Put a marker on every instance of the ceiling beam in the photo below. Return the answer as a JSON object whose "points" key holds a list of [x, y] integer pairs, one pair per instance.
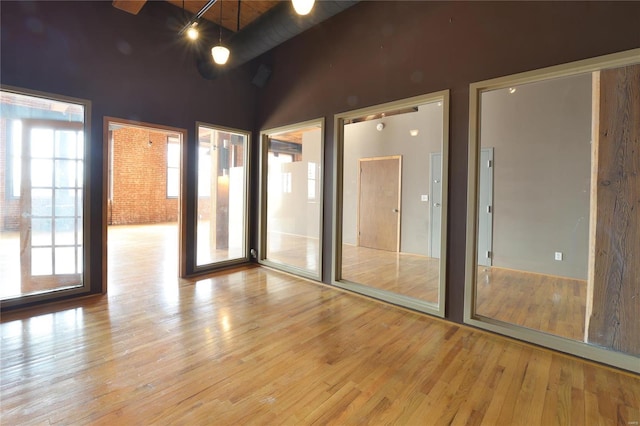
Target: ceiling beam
{"points": [[198, 14], [130, 6]]}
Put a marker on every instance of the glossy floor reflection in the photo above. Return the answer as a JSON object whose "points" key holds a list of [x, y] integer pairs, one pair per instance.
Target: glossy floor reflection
{"points": [[554, 305], [255, 346], [407, 274], [294, 250]]}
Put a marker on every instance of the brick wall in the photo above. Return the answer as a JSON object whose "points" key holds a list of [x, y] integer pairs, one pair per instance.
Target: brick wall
{"points": [[140, 179]]}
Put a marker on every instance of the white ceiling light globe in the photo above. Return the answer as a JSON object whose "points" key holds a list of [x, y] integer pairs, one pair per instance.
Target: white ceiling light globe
{"points": [[303, 7], [220, 54]]}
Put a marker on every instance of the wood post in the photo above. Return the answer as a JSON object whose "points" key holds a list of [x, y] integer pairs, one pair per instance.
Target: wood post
{"points": [[613, 299]]}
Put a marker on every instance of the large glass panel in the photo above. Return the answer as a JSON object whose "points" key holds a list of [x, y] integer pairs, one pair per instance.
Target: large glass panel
{"points": [[392, 201], [556, 233], [292, 201], [222, 196], [42, 144]]}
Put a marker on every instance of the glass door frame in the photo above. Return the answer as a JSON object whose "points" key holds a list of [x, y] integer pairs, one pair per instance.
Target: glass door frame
{"points": [[338, 203], [85, 287], [263, 188], [107, 122], [471, 317], [201, 269]]}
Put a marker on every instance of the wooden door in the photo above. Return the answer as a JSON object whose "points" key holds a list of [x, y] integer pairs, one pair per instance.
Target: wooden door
{"points": [[379, 203]]}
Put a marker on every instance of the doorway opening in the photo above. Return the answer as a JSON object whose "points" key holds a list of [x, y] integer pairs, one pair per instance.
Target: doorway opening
{"points": [[143, 198]]}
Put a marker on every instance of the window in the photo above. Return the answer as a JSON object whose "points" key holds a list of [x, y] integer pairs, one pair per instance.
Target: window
{"points": [[173, 167], [221, 227], [14, 153], [291, 212], [553, 210], [42, 236], [391, 201], [311, 181]]}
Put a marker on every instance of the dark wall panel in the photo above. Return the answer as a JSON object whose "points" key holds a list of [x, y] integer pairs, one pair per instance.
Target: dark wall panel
{"points": [[377, 52], [130, 67]]}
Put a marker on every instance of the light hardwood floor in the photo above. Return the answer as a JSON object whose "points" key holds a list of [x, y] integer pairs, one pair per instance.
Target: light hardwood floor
{"points": [[255, 346], [555, 305]]}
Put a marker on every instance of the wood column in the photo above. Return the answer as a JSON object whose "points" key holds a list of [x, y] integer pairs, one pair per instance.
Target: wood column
{"points": [[613, 299]]}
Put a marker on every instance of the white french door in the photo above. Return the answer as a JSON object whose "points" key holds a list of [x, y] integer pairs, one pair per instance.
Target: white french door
{"points": [[51, 205]]}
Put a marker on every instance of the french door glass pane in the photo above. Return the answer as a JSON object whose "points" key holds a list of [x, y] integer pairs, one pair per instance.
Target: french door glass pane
{"points": [[221, 207]]}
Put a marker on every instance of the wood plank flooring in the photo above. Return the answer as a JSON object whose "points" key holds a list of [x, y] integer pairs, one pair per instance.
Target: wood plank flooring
{"points": [[408, 274], [547, 303], [254, 346]]}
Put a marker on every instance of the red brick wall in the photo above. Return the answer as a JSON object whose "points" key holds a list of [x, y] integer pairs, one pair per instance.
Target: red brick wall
{"points": [[9, 207], [140, 179]]}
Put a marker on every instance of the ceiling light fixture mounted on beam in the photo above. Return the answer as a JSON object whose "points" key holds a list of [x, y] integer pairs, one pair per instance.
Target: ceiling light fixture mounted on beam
{"points": [[193, 22]]}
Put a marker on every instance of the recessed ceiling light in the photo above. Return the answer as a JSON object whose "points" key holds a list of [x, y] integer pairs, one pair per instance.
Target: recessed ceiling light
{"points": [[512, 90], [414, 132]]}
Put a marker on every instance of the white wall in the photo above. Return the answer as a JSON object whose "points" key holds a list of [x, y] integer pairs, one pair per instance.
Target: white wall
{"points": [[541, 136]]}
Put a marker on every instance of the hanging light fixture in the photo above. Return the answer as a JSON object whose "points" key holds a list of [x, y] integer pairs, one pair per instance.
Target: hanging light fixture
{"points": [[303, 7], [192, 31], [220, 53]]}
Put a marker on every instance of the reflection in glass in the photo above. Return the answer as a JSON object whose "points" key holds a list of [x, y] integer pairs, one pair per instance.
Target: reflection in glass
{"points": [[557, 233], [534, 213], [221, 209], [40, 239], [392, 202], [293, 206]]}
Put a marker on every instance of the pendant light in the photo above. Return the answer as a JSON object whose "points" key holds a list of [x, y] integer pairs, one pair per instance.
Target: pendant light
{"points": [[220, 53], [303, 7]]}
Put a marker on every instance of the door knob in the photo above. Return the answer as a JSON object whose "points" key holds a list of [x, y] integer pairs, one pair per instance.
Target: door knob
{"points": [[395, 210], [436, 204]]}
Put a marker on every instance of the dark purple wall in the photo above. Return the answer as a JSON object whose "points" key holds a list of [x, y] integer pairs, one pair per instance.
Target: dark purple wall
{"points": [[377, 52], [134, 67], [131, 67]]}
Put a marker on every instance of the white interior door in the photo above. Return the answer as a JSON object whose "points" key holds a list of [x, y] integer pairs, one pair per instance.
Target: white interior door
{"points": [[51, 236]]}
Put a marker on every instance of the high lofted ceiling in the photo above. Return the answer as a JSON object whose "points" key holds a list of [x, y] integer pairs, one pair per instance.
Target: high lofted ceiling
{"points": [[249, 10], [260, 25]]}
